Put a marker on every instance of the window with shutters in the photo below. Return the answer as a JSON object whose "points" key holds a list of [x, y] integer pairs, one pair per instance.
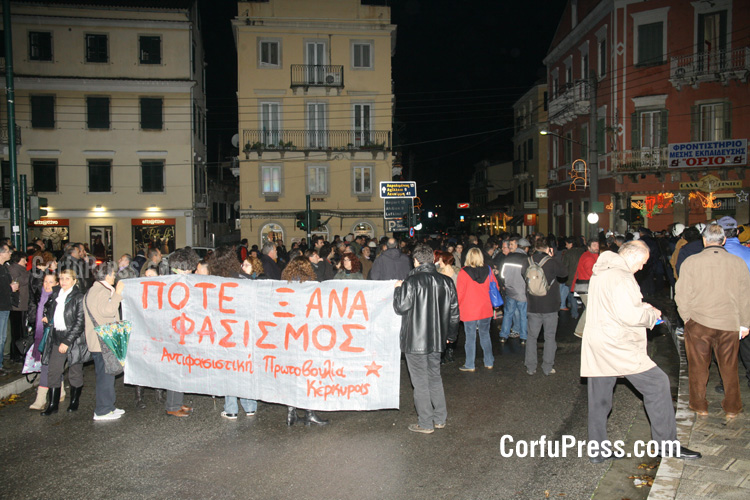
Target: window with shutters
{"points": [[712, 41], [712, 121], [149, 49], [269, 53], [40, 46], [649, 129], [317, 179], [97, 48], [100, 176], [650, 36], [45, 175], [97, 112], [270, 179], [585, 142], [151, 113], [362, 54], [152, 176], [362, 180], [42, 111], [568, 148], [602, 57]]}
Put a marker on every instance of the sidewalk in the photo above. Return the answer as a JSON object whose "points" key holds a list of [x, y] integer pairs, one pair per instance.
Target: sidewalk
{"points": [[14, 382], [724, 470]]}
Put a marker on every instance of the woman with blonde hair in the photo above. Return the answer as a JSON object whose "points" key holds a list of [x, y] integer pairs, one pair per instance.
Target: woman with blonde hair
{"points": [[475, 308]]}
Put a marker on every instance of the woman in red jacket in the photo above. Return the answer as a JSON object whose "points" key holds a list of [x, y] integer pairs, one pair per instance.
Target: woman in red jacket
{"points": [[475, 308]]}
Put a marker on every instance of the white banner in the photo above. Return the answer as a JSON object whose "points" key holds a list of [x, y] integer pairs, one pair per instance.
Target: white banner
{"points": [[732, 152], [319, 346]]}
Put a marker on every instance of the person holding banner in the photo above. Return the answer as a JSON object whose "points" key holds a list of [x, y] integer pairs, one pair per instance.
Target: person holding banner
{"points": [[300, 269], [181, 261], [428, 304], [223, 262]]}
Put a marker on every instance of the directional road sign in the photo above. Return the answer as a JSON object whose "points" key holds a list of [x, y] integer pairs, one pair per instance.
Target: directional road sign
{"points": [[396, 225], [406, 189], [395, 208]]}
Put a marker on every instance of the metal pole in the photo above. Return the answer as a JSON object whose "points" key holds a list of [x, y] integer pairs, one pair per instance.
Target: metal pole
{"points": [[24, 213], [11, 97], [308, 220], [593, 153]]}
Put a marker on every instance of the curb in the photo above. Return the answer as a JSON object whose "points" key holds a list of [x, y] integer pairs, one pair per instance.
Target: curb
{"points": [[15, 387], [669, 474]]}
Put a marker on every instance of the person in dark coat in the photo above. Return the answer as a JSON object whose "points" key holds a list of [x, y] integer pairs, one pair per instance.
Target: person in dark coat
{"points": [[19, 274], [428, 304], [268, 257], [391, 264], [64, 311]]}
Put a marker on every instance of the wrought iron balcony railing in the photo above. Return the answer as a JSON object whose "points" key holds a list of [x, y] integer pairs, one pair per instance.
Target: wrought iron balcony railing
{"points": [[317, 75], [307, 140], [570, 102], [4, 135], [715, 65], [640, 160]]}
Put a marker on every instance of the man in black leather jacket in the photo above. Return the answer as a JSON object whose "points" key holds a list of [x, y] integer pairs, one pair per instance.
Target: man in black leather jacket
{"points": [[428, 304]]}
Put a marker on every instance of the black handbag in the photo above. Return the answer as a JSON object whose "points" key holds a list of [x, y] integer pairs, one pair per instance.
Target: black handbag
{"points": [[26, 340]]}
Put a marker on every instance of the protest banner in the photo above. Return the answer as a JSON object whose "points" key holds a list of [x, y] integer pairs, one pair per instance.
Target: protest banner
{"points": [[320, 346]]}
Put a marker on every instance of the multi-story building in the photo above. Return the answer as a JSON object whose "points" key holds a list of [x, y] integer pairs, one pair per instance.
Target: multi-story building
{"points": [[491, 198], [315, 107], [110, 104], [530, 164], [666, 84]]}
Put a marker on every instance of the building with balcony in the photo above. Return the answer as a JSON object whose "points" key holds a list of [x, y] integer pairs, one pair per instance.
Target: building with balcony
{"points": [[315, 110], [110, 103], [666, 84], [530, 162]]}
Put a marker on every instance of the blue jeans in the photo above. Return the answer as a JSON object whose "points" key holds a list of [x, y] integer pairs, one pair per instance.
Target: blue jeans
{"points": [[471, 327], [230, 405], [564, 291], [4, 315], [511, 306]]}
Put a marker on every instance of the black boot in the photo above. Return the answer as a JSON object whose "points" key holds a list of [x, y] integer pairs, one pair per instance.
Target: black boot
{"points": [[159, 395], [312, 418], [291, 416], [449, 358], [54, 402], [139, 403], [75, 397]]}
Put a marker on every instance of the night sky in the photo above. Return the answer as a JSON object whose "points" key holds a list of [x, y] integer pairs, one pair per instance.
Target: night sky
{"points": [[458, 69]]}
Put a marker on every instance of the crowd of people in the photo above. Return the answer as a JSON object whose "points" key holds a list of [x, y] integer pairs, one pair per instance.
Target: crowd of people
{"points": [[441, 282]]}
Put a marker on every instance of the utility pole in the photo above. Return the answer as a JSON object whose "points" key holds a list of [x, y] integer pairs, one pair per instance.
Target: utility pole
{"points": [[308, 221], [593, 153], [11, 97]]}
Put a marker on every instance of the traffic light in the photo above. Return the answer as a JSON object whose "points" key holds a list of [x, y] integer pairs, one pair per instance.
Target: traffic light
{"points": [[416, 218], [35, 207], [406, 219], [625, 214], [314, 219], [301, 220]]}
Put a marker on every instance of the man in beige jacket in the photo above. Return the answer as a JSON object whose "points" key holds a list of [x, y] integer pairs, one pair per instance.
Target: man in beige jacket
{"points": [[712, 298], [615, 345]]}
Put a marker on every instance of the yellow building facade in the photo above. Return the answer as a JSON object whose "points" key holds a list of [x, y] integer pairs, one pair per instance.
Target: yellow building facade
{"points": [[110, 106], [315, 106]]}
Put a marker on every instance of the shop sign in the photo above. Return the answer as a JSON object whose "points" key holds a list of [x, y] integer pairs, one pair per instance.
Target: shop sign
{"points": [[529, 220], [49, 222], [153, 221], [541, 193], [710, 184], [708, 154]]}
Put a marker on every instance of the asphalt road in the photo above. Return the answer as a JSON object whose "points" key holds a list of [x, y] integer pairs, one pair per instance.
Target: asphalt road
{"points": [[360, 455]]}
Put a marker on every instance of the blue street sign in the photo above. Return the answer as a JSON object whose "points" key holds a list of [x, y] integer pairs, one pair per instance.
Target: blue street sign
{"points": [[407, 189]]}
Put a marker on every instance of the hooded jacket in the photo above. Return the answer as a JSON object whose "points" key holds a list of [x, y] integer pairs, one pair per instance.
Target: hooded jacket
{"points": [[614, 339], [427, 302], [473, 287]]}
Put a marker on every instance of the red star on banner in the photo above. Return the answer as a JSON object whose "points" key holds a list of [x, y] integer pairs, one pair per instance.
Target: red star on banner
{"points": [[373, 368]]}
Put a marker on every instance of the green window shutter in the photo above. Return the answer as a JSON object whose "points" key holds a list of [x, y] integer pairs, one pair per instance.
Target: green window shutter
{"points": [[727, 120], [695, 123], [635, 139], [664, 132]]}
